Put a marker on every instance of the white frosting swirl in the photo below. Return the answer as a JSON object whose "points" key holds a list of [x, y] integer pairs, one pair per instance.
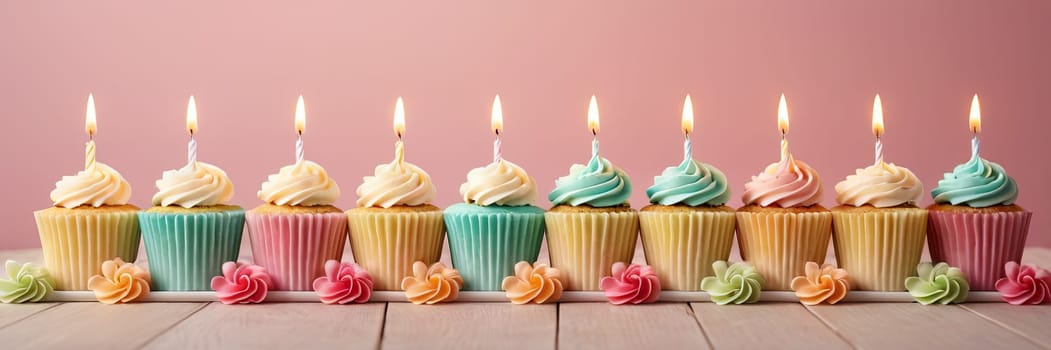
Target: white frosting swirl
{"points": [[396, 183], [305, 184], [881, 185], [97, 186], [191, 186], [500, 183]]}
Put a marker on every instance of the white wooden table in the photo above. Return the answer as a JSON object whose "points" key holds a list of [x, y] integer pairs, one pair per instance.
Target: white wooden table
{"points": [[88, 325]]}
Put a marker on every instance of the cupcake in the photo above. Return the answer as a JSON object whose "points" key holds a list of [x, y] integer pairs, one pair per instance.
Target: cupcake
{"points": [[90, 223], [782, 226], [974, 223], [591, 225], [190, 231], [394, 224], [298, 228], [496, 226], [687, 227], [878, 232]]}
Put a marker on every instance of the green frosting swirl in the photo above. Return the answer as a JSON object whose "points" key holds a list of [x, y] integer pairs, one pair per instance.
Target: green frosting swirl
{"points": [[978, 183], [938, 284], [26, 283], [690, 183], [598, 184], [738, 284]]}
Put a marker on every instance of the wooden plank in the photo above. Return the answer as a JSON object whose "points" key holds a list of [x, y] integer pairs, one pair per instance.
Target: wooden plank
{"points": [[11, 313], [277, 326], [905, 326], [607, 326], [470, 326], [765, 326], [1029, 321], [23, 256], [95, 325], [1037, 255]]}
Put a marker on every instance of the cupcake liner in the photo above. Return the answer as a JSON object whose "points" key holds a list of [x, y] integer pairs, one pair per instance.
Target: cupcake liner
{"points": [[76, 244], [779, 244], [293, 248], [681, 246], [584, 246], [486, 246], [388, 243], [978, 243], [879, 248], [186, 250]]}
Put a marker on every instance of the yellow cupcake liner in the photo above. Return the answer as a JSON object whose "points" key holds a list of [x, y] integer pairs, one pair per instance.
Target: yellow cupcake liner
{"points": [[881, 248], [584, 246], [779, 244], [681, 246], [387, 244], [76, 244]]}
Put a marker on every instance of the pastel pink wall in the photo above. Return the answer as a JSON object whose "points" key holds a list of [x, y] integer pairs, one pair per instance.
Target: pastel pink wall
{"points": [[247, 62]]}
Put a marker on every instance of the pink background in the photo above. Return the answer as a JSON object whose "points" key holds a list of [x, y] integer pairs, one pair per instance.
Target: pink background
{"points": [[246, 63]]}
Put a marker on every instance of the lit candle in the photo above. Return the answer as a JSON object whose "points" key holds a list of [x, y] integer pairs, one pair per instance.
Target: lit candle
{"points": [[593, 125], [90, 127], [497, 122], [976, 125], [687, 127], [399, 129], [191, 127], [301, 124], [782, 125], [877, 127]]}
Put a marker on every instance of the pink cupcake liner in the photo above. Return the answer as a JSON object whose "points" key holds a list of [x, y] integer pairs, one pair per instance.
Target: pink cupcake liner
{"points": [[978, 243], [294, 247]]}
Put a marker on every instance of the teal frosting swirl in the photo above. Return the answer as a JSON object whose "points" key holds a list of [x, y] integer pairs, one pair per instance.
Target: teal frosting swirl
{"points": [[978, 183], [938, 284], [26, 283], [597, 184], [690, 183]]}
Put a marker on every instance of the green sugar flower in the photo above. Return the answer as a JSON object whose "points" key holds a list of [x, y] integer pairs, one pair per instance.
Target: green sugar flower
{"points": [[938, 284], [27, 283], [739, 283]]}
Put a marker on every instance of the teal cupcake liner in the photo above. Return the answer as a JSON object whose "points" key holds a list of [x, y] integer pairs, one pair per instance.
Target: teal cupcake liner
{"points": [[184, 251], [486, 242]]}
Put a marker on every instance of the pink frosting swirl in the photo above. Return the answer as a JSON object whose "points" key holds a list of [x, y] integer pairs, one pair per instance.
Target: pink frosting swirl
{"points": [[241, 283], [788, 183], [633, 284], [1025, 284], [343, 283]]}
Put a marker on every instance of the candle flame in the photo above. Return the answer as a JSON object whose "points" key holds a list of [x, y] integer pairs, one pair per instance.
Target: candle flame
{"points": [[497, 119], [877, 117], [976, 115], [782, 115], [687, 115], [191, 116], [399, 117], [301, 115], [90, 126], [593, 123]]}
